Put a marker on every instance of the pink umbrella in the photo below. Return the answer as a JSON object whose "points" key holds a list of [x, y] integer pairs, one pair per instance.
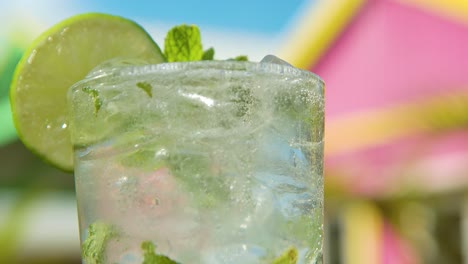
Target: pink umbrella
{"points": [[396, 79], [397, 88]]}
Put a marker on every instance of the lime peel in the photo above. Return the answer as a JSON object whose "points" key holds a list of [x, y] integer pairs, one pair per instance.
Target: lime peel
{"points": [[57, 59]]}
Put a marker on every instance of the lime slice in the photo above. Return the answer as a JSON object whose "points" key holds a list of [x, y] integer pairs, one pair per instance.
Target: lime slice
{"points": [[61, 56]]}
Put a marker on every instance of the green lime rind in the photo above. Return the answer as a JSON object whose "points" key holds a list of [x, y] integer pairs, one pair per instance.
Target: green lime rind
{"points": [[57, 59]]}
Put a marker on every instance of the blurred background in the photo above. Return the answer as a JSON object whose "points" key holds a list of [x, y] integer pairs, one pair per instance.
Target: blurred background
{"points": [[396, 152]]}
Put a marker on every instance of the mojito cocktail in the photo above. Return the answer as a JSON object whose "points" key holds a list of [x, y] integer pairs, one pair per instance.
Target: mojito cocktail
{"points": [[209, 162], [177, 157]]}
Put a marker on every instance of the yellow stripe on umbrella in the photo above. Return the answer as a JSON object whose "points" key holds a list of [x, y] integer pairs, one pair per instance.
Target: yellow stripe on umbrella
{"points": [[359, 130], [454, 9], [317, 30]]}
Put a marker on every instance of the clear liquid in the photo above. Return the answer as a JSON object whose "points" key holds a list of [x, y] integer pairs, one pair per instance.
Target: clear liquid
{"points": [[218, 167]]}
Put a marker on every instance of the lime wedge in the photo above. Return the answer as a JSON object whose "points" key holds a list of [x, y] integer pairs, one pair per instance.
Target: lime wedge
{"points": [[61, 56]]}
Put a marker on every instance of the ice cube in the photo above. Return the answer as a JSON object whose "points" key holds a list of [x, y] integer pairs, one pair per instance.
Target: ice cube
{"points": [[275, 60], [112, 65], [234, 253]]}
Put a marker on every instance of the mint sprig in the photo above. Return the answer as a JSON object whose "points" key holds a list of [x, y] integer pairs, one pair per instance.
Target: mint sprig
{"points": [[94, 246], [208, 54], [288, 257], [240, 58], [94, 94], [183, 43], [150, 257], [146, 87]]}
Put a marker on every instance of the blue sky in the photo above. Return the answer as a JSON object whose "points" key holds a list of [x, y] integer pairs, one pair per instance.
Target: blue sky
{"points": [[248, 27], [266, 16]]}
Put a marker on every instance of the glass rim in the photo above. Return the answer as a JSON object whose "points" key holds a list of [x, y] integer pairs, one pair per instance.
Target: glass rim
{"points": [[129, 69]]}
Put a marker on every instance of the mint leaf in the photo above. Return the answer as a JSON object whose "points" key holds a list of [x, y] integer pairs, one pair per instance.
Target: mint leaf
{"points": [[183, 43], [145, 86], [208, 54], [150, 257], [240, 58], [95, 244], [288, 257], [95, 97], [184, 165]]}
